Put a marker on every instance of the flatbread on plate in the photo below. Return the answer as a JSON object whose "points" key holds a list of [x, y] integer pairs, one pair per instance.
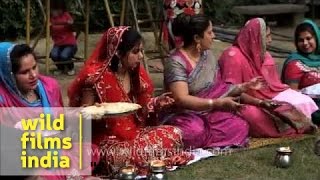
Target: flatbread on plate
{"points": [[98, 111]]}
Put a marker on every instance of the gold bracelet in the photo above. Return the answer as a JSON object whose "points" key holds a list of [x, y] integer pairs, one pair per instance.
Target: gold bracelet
{"points": [[260, 102], [210, 103]]}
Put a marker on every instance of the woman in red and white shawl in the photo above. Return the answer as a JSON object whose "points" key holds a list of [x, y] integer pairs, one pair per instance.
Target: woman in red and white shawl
{"points": [[113, 74]]}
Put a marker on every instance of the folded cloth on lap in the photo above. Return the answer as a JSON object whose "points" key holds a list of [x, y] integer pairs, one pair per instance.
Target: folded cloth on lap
{"points": [[313, 91]]}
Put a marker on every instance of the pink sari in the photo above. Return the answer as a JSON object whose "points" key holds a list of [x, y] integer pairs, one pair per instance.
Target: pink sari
{"points": [[203, 129], [249, 55]]}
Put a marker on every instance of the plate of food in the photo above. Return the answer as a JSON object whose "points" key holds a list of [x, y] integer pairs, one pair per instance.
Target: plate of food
{"points": [[101, 110]]}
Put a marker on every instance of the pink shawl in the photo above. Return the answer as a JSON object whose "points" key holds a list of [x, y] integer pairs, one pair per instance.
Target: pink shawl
{"points": [[9, 99], [247, 58]]}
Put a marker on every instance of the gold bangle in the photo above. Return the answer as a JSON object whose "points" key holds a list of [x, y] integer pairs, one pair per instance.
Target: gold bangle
{"points": [[210, 103], [260, 102]]}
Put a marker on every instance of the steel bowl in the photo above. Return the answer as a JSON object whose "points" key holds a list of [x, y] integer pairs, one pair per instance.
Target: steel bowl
{"points": [[283, 157]]}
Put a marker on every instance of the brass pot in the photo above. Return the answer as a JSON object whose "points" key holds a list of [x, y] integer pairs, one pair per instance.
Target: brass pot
{"points": [[157, 170], [283, 157], [127, 173]]}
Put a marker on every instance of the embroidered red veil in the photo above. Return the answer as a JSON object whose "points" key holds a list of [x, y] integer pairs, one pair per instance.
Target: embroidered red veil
{"points": [[97, 74], [122, 138]]}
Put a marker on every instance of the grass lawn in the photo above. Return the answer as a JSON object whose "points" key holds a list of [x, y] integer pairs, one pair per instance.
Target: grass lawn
{"points": [[256, 164]]}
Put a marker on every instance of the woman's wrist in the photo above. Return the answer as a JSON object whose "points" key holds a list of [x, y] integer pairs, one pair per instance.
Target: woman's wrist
{"points": [[260, 102], [243, 87], [156, 103]]}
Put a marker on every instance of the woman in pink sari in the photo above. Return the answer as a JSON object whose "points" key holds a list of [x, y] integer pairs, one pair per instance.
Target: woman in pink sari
{"points": [[206, 110], [276, 110]]}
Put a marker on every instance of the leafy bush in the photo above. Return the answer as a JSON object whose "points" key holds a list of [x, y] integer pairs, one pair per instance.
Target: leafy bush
{"points": [[219, 11], [12, 14]]}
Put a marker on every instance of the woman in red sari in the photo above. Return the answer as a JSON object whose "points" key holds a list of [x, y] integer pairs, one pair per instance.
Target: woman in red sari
{"points": [[113, 74]]}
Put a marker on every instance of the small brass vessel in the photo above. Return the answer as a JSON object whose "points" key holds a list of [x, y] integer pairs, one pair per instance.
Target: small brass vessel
{"points": [[283, 157], [127, 173], [157, 170]]}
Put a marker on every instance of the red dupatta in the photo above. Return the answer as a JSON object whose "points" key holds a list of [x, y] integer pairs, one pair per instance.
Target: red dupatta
{"points": [[97, 74]]}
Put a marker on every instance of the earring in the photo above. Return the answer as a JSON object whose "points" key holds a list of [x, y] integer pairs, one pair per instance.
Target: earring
{"points": [[198, 46], [119, 65]]}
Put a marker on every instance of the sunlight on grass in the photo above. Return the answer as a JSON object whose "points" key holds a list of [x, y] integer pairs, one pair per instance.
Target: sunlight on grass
{"points": [[256, 164]]}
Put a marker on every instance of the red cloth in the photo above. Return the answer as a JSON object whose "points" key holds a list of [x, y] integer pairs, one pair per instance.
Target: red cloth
{"points": [[125, 134], [62, 34], [96, 73], [297, 72]]}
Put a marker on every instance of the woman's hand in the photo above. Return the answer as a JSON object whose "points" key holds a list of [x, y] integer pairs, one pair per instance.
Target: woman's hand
{"points": [[255, 84], [228, 104], [88, 97], [165, 100], [269, 104]]}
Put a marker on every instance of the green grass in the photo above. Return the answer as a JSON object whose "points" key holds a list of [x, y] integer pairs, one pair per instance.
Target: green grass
{"points": [[256, 164]]}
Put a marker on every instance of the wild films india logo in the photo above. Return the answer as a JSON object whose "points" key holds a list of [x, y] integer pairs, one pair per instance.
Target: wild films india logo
{"points": [[35, 137], [55, 142]]}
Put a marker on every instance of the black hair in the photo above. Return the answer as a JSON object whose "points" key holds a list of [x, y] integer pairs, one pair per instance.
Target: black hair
{"points": [[187, 26], [129, 40], [17, 53], [302, 28]]}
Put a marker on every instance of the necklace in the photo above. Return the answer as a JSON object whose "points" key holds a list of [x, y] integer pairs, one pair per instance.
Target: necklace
{"points": [[120, 79], [126, 87], [30, 96]]}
